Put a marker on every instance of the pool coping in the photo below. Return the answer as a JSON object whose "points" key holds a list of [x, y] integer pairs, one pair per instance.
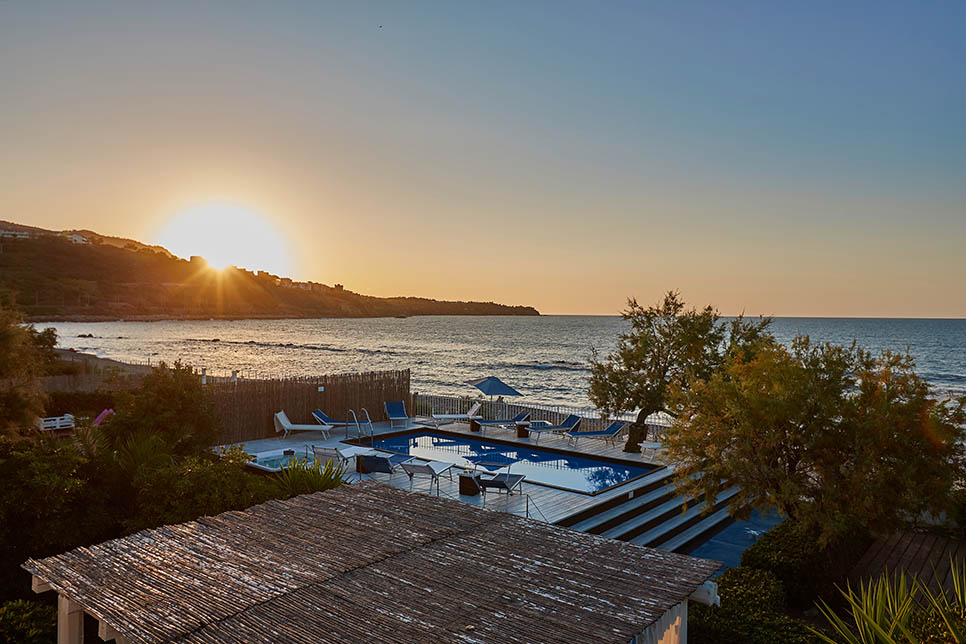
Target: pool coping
{"points": [[362, 441]]}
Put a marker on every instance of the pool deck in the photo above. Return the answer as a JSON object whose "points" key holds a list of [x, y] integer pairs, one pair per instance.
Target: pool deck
{"points": [[536, 501]]}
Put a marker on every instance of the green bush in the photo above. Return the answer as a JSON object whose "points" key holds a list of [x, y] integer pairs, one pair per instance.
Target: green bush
{"points": [[303, 477], [197, 486], [807, 570], [27, 622], [751, 608]]}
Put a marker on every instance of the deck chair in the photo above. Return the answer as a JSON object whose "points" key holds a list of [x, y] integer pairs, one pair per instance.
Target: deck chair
{"points": [[469, 415], [610, 434], [284, 425], [396, 411], [433, 469], [506, 481], [570, 424], [323, 419], [380, 463], [522, 417], [323, 454]]}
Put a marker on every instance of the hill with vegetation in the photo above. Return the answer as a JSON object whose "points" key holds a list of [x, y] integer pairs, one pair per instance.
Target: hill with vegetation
{"points": [[83, 276]]}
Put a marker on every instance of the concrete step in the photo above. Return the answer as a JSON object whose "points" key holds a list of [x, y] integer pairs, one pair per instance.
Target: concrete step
{"points": [[669, 528], [646, 484], [695, 531], [616, 515]]}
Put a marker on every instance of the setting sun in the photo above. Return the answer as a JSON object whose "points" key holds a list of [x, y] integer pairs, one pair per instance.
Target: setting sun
{"points": [[226, 234]]}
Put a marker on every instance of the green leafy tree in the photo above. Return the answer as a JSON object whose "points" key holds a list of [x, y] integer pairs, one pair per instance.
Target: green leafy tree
{"points": [[667, 343], [830, 436], [172, 405], [21, 364]]}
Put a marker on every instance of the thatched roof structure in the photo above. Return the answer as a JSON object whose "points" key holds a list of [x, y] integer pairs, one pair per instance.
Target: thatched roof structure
{"points": [[370, 562]]}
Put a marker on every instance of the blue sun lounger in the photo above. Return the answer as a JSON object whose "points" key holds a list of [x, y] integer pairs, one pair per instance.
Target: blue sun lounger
{"points": [[570, 424], [610, 434], [522, 417], [384, 463], [322, 419], [396, 411]]}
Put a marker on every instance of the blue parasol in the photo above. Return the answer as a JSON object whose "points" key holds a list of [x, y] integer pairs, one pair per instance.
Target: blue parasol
{"points": [[493, 386]]}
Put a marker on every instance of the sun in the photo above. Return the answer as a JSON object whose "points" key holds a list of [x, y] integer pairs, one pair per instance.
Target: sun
{"points": [[226, 235]]}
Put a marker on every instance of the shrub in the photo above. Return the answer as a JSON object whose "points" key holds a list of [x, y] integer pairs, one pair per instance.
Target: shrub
{"points": [[751, 608], [172, 404], [303, 477], [47, 506], [27, 622], [807, 570], [197, 486]]}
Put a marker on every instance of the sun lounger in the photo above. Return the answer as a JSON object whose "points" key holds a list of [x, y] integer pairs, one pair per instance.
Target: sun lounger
{"points": [[380, 462], [506, 481], [469, 415], [570, 424], [284, 425], [656, 448], [522, 417], [432, 469], [396, 411], [323, 419], [609, 434]]}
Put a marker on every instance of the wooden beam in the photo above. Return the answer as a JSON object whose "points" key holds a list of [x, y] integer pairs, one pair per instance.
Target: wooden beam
{"points": [[70, 622], [106, 632], [38, 585]]}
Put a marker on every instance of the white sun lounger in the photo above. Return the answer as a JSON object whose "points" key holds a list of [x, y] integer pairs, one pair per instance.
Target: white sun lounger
{"points": [[469, 415], [428, 468], [284, 425]]}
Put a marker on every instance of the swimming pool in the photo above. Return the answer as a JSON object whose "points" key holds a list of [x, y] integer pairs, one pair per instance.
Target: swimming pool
{"points": [[584, 474], [275, 460]]}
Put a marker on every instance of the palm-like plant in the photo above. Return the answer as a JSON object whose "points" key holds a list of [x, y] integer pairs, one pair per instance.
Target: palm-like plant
{"points": [[881, 612], [304, 477]]}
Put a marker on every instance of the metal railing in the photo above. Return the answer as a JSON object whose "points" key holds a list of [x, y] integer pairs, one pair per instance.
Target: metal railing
{"points": [[593, 419]]}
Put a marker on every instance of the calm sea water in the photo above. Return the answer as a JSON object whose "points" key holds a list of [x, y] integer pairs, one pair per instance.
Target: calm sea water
{"points": [[545, 358]]}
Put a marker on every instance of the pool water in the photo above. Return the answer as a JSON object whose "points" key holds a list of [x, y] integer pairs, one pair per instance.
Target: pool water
{"points": [[728, 545], [575, 473], [276, 461]]}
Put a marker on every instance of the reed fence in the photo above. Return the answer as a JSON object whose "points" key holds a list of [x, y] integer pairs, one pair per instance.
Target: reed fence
{"points": [[246, 407], [593, 419], [91, 382]]}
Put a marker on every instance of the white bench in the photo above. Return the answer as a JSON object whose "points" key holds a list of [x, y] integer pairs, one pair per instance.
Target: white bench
{"points": [[54, 423]]}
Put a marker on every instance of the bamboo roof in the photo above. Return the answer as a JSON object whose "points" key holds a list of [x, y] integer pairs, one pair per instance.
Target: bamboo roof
{"points": [[370, 562]]}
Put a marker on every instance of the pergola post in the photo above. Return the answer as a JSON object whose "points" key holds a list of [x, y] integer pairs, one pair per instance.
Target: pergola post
{"points": [[70, 621]]}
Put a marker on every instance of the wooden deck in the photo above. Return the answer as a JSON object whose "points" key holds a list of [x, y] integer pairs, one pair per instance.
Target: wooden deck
{"points": [[924, 555], [535, 501]]}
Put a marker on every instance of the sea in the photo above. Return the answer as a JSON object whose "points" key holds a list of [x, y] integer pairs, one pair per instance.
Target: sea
{"points": [[545, 358]]}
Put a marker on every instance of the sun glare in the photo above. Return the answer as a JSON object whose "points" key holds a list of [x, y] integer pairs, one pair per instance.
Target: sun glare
{"points": [[226, 234]]}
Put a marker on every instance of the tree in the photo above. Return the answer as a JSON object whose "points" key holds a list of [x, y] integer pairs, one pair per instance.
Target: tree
{"points": [[828, 435], [667, 343], [172, 406], [21, 364]]}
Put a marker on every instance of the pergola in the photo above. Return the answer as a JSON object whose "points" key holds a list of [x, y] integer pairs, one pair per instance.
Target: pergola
{"points": [[370, 562]]}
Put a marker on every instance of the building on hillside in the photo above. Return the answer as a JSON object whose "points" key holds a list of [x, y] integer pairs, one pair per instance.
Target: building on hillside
{"points": [[16, 234], [287, 282], [370, 562], [74, 238]]}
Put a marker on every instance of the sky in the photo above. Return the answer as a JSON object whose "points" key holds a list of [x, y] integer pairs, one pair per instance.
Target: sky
{"points": [[788, 159]]}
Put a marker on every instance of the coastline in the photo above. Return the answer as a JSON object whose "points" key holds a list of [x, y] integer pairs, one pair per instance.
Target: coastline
{"points": [[33, 319]]}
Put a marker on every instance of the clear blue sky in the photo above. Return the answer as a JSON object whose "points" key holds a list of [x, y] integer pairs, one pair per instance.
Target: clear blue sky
{"points": [[773, 157]]}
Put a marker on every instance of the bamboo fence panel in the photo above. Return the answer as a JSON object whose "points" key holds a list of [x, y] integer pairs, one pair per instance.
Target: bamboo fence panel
{"points": [[91, 382], [246, 407]]}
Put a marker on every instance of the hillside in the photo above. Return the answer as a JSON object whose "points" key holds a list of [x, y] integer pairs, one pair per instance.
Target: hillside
{"points": [[57, 276]]}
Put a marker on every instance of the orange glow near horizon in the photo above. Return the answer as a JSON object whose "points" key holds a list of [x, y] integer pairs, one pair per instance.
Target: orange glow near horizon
{"points": [[226, 235]]}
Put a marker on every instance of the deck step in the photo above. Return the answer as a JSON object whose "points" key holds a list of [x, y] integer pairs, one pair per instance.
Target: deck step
{"points": [[700, 528], [641, 523], [629, 492], [665, 530], [625, 511]]}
